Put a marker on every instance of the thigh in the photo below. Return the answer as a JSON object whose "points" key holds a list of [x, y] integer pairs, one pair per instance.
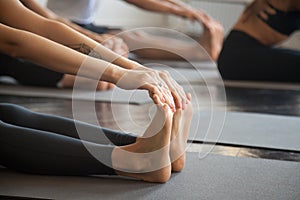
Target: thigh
{"points": [[244, 58], [43, 152], [21, 116], [27, 73]]}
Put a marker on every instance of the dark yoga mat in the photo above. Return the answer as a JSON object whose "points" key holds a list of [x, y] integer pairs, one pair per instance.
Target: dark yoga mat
{"points": [[116, 95], [247, 129], [214, 177]]}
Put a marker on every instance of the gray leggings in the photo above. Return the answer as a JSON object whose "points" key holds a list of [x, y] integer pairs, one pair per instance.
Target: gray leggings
{"points": [[46, 144]]}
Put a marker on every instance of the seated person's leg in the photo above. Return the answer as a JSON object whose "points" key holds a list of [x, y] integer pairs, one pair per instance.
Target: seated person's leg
{"points": [[41, 152], [254, 61], [163, 47], [17, 115], [248, 52], [27, 73], [44, 152], [211, 40]]}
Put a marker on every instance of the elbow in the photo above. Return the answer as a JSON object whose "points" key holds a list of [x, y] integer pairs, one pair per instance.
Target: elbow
{"points": [[13, 52], [15, 47], [12, 48]]}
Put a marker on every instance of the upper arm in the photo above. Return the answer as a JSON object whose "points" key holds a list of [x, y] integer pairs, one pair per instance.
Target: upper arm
{"points": [[152, 5], [37, 8], [14, 14], [9, 40]]}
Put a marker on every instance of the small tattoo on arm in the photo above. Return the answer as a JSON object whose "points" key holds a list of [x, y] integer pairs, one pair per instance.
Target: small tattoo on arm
{"points": [[85, 49]]}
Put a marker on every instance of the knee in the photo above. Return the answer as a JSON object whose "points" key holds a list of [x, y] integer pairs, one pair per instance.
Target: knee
{"points": [[9, 112], [7, 108]]}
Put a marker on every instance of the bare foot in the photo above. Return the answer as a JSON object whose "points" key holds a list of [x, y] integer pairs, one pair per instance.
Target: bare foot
{"points": [[148, 158], [212, 37], [180, 130], [68, 82]]}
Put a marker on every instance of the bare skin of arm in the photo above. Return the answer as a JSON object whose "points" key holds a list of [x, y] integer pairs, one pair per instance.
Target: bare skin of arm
{"points": [[20, 44], [108, 40], [62, 34], [262, 32], [114, 43], [50, 29], [167, 7], [23, 44]]}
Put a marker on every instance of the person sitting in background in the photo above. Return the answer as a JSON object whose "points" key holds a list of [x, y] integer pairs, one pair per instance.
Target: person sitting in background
{"points": [[249, 52], [83, 13]]}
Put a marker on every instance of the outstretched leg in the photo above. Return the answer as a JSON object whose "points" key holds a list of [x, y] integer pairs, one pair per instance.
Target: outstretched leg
{"points": [[31, 148], [149, 46], [22, 117]]}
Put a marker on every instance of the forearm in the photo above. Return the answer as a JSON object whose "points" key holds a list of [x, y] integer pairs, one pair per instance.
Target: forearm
{"points": [[25, 45], [45, 12], [152, 5], [34, 6], [74, 26], [54, 31], [162, 6]]}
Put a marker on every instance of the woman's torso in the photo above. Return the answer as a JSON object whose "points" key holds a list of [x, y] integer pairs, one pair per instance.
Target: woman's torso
{"points": [[262, 30]]}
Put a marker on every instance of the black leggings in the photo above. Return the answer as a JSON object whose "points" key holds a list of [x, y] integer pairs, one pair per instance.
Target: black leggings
{"points": [[27, 73], [46, 144], [244, 58]]}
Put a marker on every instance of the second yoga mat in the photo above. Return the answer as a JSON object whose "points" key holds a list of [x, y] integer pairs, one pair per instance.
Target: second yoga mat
{"points": [[247, 129]]}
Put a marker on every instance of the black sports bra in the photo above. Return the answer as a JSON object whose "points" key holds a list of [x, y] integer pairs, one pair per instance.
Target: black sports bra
{"points": [[283, 22]]}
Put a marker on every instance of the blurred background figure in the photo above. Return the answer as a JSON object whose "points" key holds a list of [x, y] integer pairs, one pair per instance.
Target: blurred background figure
{"points": [[250, 50]]}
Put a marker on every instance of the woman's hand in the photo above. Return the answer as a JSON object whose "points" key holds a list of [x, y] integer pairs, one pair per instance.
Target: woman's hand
{"points": [[150, 80], [176, 90], [259, 8], [178, 96], [265, 9]]}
